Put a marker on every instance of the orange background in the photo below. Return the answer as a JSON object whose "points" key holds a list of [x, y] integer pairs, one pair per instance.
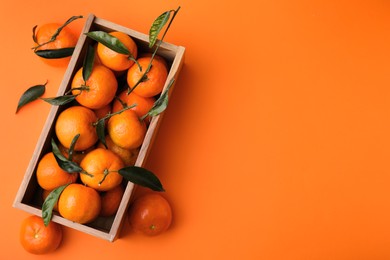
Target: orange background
{"points": [[276, 141]]}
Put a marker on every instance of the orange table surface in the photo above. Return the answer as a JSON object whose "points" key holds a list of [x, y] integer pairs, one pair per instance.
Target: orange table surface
{"points": [[275, 144]]}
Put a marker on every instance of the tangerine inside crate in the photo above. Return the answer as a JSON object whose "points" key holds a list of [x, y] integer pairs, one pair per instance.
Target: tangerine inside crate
{"points": [[28, 197]]}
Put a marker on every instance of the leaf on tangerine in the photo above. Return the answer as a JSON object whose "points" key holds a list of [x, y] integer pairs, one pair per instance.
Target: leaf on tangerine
{"points": [[50, 202], [72, 145], [161, 103], [157, 26], [60, 100], [109, 41], [62, 161], [141, 176], [55, 53], [100, 130], [88, 63]]}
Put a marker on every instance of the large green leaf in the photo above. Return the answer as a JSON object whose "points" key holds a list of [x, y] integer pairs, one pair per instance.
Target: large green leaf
{"points": [[60, 100], [62, 161], [141, 176], [31, 94], [161, 103], [50, 202], [110, 41], [88, 63], [72, 145], [100, 130], [55, 53], [157, 26]]}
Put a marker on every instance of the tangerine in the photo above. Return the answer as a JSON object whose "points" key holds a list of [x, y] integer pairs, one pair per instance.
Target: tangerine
{"points": [[143, 104], [36, 238], [102, 166], [126, 129], [153, 82], [76, 120], [111, 200], [99, 89], [150, 214], [128, 156], [103, 111], [64, 39], [114, 60], [79, 203], [50, 175]]}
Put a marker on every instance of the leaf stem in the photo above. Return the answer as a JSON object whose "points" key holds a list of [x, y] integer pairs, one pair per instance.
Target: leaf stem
{"points": [[105, 173], [121, 101], [113, 114], [86, 173]]}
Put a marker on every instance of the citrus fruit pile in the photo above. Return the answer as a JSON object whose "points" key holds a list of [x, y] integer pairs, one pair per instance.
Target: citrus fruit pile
{"points": [[98, 100], [97, 133]]}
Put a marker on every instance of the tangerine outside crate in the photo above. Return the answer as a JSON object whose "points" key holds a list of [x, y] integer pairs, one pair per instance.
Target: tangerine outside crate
{"points": [[28, 197]]}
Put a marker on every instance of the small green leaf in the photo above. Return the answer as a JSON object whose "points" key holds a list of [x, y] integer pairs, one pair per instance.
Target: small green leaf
{"points": [[62, 161], [55, 53], [34, 36], [72, 145], [88, 63], [100, 127], [110, 41], [50, 202], [157, 26], [161, 103], [31, 94], [60, 100], [141, 176]]}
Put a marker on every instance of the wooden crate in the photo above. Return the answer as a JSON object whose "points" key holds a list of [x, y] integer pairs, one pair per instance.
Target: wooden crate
{"points": [[28, 197]]}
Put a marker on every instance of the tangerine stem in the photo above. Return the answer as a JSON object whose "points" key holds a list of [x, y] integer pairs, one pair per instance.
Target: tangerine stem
{"points": [[121, 101], [105, 173], [143, 117], [113, 114], [83, 87], [86, 173]]}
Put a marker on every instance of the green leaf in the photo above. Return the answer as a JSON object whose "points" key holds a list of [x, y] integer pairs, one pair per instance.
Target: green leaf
{"points": [[55, 53], [100, 127], [31, 94], [62, 161], [72, 145], [141, 176], [161, 103], [34, 36], [110, 41], [60, 100], [88, 63], [157, 26], [50, 202]]}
